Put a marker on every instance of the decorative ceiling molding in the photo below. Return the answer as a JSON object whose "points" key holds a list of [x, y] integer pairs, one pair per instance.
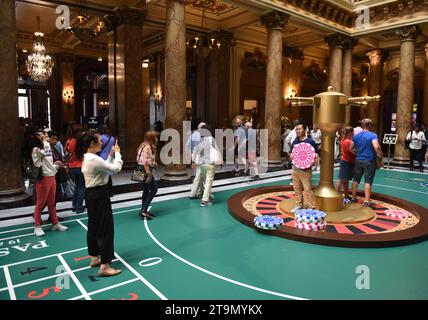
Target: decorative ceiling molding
{"points": [[211, 6]]}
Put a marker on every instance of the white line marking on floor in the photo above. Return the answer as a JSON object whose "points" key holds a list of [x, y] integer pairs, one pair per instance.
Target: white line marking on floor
{"points": [[9, 283], [107, 288], [73, 276], [18, 236], [44, 257], [139, 276], [50, 277], [215, 274]]}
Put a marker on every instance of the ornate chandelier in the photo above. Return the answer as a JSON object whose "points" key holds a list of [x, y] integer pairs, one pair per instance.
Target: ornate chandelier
{"points": [[204, 42], [39, 64], [80, 27]]}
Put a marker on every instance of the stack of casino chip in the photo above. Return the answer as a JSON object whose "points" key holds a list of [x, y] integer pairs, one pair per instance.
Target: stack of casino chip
{"points": [[267, 222], [310, 219], [399, 214]]}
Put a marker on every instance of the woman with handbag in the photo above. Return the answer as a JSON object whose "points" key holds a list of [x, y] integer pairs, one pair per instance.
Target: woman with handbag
{"points": [[96, 171], [145, 164], [45, 185]]}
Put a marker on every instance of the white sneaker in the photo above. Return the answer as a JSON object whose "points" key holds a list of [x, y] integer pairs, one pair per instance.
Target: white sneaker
{"points": [[58, 227], [38, 231], [295, 209]]}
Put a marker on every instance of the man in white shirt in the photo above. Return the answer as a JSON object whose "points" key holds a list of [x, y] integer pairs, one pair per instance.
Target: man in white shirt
{"points": [[417, 140], [192, 142]]}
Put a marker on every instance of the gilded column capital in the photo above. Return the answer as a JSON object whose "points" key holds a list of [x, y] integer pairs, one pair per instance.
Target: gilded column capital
{"points": [[408, 33], [124, 15], [275, 20], [375, 56], [338, 40]]}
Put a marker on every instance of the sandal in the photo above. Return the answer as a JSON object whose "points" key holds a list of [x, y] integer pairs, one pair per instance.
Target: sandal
{"points": [[95, 262], [108, 271]]}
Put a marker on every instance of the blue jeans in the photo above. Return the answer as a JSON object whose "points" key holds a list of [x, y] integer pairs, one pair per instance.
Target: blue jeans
{"points": [[79, 192], [149, 192]]}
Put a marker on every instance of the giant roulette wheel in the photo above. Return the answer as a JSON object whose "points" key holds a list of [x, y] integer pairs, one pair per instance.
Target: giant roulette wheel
{"points": [[391, 222]]}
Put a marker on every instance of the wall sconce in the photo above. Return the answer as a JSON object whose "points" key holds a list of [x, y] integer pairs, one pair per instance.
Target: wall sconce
{"points": [[291, 93], [68, 98], [145, 63], [104, 104]]}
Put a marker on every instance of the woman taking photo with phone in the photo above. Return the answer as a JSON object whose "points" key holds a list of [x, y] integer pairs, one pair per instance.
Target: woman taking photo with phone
{"points": [[96, 171]]}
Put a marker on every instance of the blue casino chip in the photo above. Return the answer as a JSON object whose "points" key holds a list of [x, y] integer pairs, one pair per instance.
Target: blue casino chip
{"points": [[267, 222], [310, 214]]}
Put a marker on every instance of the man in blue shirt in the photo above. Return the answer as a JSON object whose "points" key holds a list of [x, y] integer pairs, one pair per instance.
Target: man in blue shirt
{"points": [[302, 178], [368, 151]]}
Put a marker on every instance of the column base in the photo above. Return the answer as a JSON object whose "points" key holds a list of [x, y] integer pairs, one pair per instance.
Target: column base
{"points": [[180, 176], [13, 196], [400, 162], [272, 165]]}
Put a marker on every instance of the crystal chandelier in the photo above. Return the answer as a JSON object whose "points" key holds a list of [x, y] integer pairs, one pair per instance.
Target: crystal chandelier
{"points": [[205, 42], [39, 64]]}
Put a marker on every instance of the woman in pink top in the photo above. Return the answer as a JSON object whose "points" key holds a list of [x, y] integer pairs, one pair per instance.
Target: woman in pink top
{"points": [[146, 159]]}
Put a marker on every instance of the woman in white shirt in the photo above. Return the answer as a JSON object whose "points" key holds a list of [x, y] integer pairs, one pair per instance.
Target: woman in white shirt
{"points": [[417, 140], [96, 171]]}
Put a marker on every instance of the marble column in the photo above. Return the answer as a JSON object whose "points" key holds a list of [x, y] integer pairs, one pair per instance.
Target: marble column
{"points": [[375, 78], [347, 73], [274, 22], [66, 71], [11, 181], [336, 43], [128, 117], [175, 80], [425, 106], [406, 81]]}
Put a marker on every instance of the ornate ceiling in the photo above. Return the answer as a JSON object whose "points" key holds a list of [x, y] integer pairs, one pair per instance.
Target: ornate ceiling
{"points": [[310, 21]]}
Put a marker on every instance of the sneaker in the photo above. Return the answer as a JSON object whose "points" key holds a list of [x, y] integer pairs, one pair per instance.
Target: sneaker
{"points": [[38, 231], [256, 177], [80, 211], [59, 227], [211, 197], [206, 203], [295, 209]]}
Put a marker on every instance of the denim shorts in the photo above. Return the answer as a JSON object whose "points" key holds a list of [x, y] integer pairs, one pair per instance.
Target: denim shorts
{"points": [[346, 171], [368, 168]]}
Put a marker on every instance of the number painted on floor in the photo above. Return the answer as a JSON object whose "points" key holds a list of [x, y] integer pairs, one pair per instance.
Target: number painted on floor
{"points": [[133, 296], [148, 262], [82, 258], [30, 270], [12, 242], [45, 292]]}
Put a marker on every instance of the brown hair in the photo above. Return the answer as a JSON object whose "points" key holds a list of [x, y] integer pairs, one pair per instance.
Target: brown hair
{"points": [[150, 138], [346, 131]]}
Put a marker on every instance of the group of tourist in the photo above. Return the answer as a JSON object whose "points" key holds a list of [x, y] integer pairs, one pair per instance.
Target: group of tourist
{"points": [[361, 155], [91, 158]]}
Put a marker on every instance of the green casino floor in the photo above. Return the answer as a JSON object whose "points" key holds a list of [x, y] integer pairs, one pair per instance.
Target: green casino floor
{"points": [[189, 252]]}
